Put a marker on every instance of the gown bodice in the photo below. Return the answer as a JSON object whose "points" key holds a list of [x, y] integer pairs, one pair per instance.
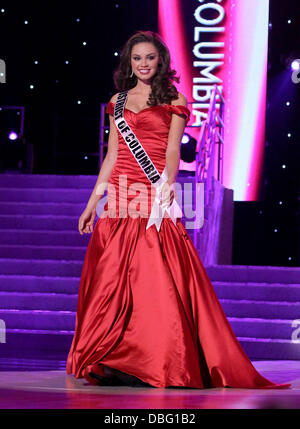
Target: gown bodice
{"points": [[129, 189]]}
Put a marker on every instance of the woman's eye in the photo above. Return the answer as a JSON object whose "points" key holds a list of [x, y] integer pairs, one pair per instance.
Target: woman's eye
{"points": [[136, 58]]}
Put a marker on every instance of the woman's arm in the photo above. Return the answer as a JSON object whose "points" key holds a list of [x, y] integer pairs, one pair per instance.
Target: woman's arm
{"points": [[174, 140], [107, 166], [173, 153], [86, 220]]}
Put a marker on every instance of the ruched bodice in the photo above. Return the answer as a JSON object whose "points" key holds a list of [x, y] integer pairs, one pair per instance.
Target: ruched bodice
{"points": [[129, 191]]}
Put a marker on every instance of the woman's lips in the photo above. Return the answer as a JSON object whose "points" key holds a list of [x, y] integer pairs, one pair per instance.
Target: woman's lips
{"points": [[144, 71]]}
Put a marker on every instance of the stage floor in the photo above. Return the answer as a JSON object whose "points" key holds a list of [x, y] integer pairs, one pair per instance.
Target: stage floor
{"points": [[55, 389]]}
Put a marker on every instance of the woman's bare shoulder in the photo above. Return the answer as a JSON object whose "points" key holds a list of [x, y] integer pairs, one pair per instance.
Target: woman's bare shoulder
{"points": [[114, 98]]}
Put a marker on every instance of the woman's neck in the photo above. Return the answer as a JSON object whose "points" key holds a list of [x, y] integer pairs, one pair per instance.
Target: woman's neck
{"points": [[142, 88]]}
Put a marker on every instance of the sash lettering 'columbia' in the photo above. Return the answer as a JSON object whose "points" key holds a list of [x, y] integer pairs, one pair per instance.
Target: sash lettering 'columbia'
{"points": [[132, 142]]}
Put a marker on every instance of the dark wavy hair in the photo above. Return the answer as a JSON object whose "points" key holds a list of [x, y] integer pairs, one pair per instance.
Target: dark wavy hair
{"points": [[162, 88]]}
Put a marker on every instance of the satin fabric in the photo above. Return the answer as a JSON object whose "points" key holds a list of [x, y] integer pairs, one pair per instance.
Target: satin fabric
{"points": [[146, 305], [129, 190]]}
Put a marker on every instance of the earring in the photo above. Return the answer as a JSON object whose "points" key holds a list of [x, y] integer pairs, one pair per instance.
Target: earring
{"points": [[131, 74]]}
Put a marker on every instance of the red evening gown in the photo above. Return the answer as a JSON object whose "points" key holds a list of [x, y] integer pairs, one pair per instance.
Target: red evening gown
{"points": [[146, 306]]}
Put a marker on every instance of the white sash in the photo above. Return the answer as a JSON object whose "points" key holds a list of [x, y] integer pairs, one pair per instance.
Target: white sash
{"points": [[144, 161]]}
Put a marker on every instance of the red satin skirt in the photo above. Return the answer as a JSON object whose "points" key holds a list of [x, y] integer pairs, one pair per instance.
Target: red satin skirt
{"points": [[146, 307]]}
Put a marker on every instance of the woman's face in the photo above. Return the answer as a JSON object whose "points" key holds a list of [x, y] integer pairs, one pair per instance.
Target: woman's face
{"points": [[144, 60]]}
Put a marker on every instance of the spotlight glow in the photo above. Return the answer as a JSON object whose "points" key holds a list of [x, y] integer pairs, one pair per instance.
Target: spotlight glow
{"points": [[245, 92], [185, 139], [12, 135], [295, 65]]}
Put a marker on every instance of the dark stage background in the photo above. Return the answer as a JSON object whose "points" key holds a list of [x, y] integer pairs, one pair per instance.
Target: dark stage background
{"points": [[62, 131]]}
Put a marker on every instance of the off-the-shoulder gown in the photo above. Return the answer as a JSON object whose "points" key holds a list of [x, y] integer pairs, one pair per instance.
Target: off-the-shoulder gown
{"points": [[146, 306]]}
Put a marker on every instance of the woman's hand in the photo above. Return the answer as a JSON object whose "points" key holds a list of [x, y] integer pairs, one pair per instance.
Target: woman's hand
{"points": [[167, 194], [86, 220]]}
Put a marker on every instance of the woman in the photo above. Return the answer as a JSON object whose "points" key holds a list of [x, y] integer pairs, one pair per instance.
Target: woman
{"points": [[147, 312]]}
